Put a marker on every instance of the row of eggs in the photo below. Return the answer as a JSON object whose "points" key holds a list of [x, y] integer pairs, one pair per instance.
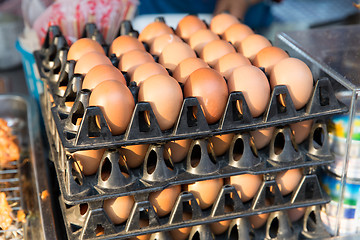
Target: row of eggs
{"points": [[205, 193], [202, 77], [177, 150]]}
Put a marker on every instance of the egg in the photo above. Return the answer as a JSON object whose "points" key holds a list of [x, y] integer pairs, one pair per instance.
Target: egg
{"points": [[147, 70], [88, 160], [165, 97], [177, 150], [90, 60], [253, 44], [268, 57], [296, 213], [199, 39], [118, 209], [227, 63], [153, 30], [254, 85], [205, 192], [186, 67], [123, 44], [130, 60], [174, 53], [83, 46], [246, 185], [134, 155], [297, 77], [262, 137], [220, 227], [288, 180], [101, 73], [116, 103], [161, 41], [257, 221], [214, 50], [188, 25], [236, 33], [210, 89], [182, 233], [221, 143], [301, 130], [221, 22], [163, 201]]}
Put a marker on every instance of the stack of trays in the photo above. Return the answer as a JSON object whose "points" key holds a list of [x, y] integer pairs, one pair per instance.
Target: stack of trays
{"points": [[82, 196]]}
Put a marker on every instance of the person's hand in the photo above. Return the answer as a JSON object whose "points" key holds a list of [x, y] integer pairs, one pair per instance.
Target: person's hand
{"points": [[237, 8]]}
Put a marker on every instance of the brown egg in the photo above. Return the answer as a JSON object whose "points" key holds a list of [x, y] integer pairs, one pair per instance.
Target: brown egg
{"points": [[161, 41], [118, 209], [165, 97], [214, 50], [182, 233], [153, 30], [301, 130], [130, 60], [296, 213], [89, 160], [220, 227], [252, 44], [268, 57], [177, 150], [147, 70], [210, 89], [221, 143], [101, 73], [253, 83], [246, 185], [188, 25], [221, 22], [163, 201], [134, 154], [90, 60], [288, 180], [123, 44], [186, 67], [262, 137], [227, 63], [205, 192], [198, 40], [116, 103], [83, 46], [174, 53], [257, 221], [297, 77], [236, 33]]}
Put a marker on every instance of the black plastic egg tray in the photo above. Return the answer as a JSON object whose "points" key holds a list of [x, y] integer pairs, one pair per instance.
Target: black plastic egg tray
{"points": [[191, 122], [67, 137], [85, 221], [157, 173]]}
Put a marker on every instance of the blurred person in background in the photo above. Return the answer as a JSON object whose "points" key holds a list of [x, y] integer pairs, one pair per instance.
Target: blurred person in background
{"points": [[254, 13]]}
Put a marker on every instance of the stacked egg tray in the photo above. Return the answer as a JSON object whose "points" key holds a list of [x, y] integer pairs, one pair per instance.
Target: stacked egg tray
{"points": [[157, 173], [277, 226]]}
